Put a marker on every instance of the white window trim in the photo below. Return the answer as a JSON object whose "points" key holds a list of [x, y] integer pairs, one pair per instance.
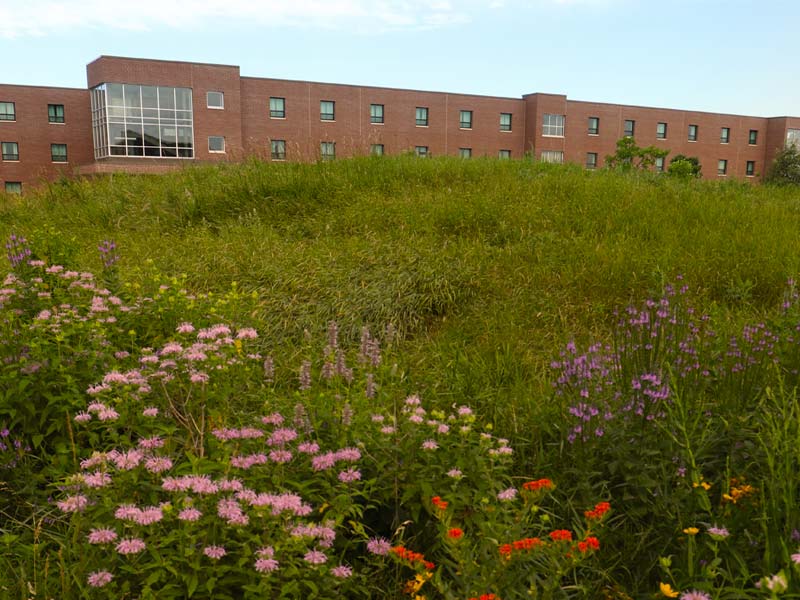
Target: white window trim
{"points": [[222, 95], [210, 151]]}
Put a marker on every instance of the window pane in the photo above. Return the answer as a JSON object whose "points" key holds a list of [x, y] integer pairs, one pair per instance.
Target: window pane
{"points": [[13, 187], [166, 98], [114, 94], [55, 113], [505, 121], [553, 125], [133, 96], [183, 99], [422, 116], [149, 96], [215, 100], [216, 144], [327, 110], [7, 111]]}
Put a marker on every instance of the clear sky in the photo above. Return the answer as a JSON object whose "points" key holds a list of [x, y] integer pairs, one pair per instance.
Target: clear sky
{"points": [[732, 56]]}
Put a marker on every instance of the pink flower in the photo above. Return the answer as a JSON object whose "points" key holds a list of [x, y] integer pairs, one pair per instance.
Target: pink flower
{"points": [[315, 557], [349, 476], [455, 473], [247, 333], [83, 417], [266, 565], [273, 419], [266, 552], [416, 419], [378, 418], [185, 328], [388, 430], [157, 464], [150, 443], [214, 552], [281, 437], [150, 411], [342, 571], [99, 578], [507, 495], [198, 377], [97, 480], [280, 456], [189, 514], [109, 414], [125, 461], [76, 503], [348, 454], [429, 445], [322, 462], [130, 546], [102, 536], [379, 546], [796, 558], [308, 448], [443, 428]]}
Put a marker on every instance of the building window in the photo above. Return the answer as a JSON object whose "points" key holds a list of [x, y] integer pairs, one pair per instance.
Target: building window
{"points": [[376, 113], [465, 152], [594, 125], [216, 143], [505, 121], [142, 121], [327, 150], [277, 108], [591, 160], [465, 119], [692, 133], [793, 138], [552, 156], [55, 113], [422, 116], [278, 149], [553, 125], [327, 110], [660, 164], [376, 149], [630, 128], [661, 131], [10, 150], [7, 111], [724, 135], [753, 137], [215, 100], [13, 187], [421, 151], [750, 168], [504, 154], [58, 153], [722, 167]]}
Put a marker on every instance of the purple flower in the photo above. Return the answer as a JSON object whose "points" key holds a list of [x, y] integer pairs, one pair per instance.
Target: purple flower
{"points": [[429, 445], [315, 557], [189, 514], [266, 565], [130, 546], [507, 495], [76, 503], [99, 578], [695, 595], [455, 473], [342, 571], [102, 536], [718, 532], [214, 552], [349, 476], [380, 546]]}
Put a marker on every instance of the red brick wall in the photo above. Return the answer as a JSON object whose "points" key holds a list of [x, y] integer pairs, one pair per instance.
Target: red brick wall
{"points": [[34, 133], [352, 131], [201, 78]]}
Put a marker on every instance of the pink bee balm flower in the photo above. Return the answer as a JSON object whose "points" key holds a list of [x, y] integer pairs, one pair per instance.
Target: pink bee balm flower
{"points": [[77, 503], [97, 480], [266, 552], [185, 328], [150, 411], [83, 417], [315, 557], [280, 456], [796, 558], [189, 514], [379, 546], [157, 464], [429, 445], [507, 495], [150, 443], [388, 430], [455, 473], [266, 565], [130, 546], [247, 333], [349, 476], [99, 578], [342, 571], [102, 536], [273, 419], [308, 447], [214, 552]]}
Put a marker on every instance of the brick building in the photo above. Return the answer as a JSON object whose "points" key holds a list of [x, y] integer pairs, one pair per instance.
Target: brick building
{"points": [[151, 116]]}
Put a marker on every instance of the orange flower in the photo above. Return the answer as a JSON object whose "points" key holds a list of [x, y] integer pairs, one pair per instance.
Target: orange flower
{"points": [[455, 533], [539, 484], [439, 503], [600, 509], [561, 535], [505, 551]]}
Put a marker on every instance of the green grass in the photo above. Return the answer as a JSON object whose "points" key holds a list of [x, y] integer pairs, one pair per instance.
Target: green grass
{"points": [[488, 267]]}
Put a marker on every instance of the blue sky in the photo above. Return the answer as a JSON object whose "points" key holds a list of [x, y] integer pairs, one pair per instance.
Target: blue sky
{"points": [[733, 56]]}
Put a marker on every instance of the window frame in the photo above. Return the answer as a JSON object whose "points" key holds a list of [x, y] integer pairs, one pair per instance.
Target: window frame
{"points": [[216, 137], [591, 164], [693, 133], [752, 137], [323, 146], [274, 153], [327, 116], [748, 171], [374, 117], [465, 124], [625, 128], [662, 135], [660, 164], [374, 147], [552, 154], [53, 154], [17, 190], [725, 135], [465, 152], [593, 129], [504, 154], [275, 113], [222, 100], [53, 116], [12, 157], [6, 116], [722, 167], [422, 151], [424, 121], [506, 126], [552, 122]]}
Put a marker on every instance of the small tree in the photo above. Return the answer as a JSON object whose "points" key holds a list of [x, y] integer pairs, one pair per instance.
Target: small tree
{"points": [[684, 166], [785, 169], [630, 157]]}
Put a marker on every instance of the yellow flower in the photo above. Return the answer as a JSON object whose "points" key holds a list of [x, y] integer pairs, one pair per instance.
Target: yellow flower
{"points": [[667, 590], [691, 531], [705, 486]]}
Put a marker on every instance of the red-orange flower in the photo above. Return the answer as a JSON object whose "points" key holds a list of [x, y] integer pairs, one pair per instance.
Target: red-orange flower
{"points": [[563, 535], [600, 509], [505, 551], [439, 503], [539, 484], [455, 533]]}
